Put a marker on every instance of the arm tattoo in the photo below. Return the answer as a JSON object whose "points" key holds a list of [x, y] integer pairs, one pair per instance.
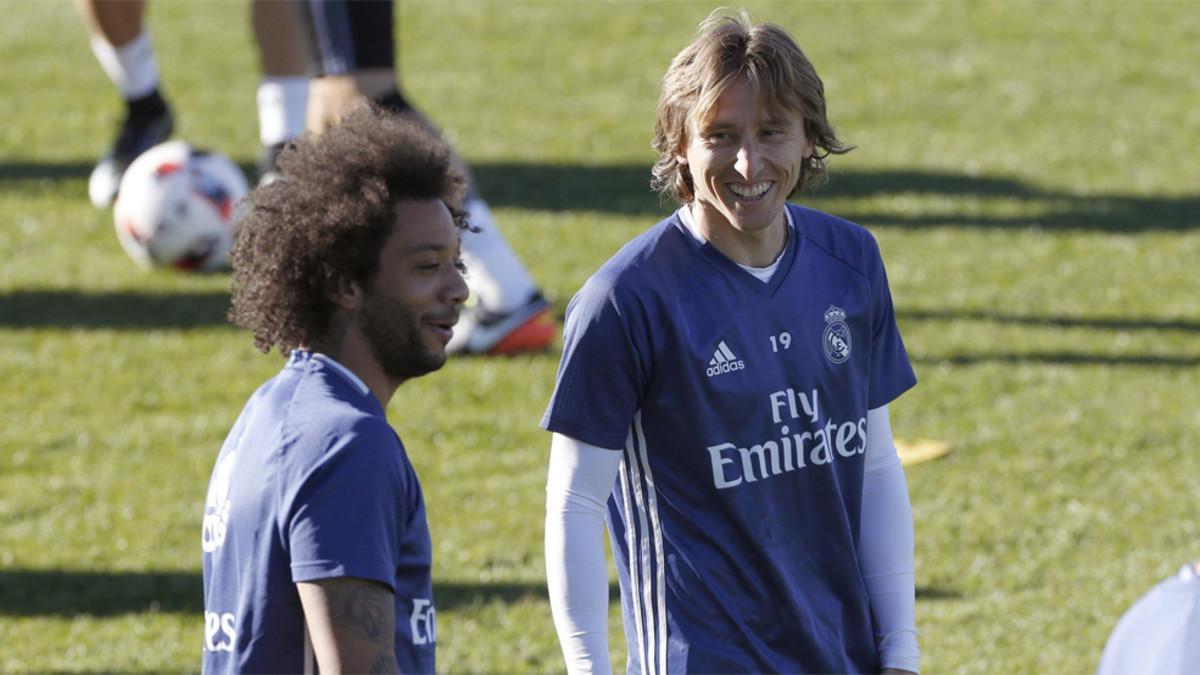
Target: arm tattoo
{"points": [[384, 663], [360, 614]]}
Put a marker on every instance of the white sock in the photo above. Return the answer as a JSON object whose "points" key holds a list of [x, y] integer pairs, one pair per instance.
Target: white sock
{"points": [[496, 277], [133, 67], [282, 106]]}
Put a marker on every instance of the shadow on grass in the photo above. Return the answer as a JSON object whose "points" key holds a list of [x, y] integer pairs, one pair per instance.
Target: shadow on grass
{"points": [[12, 173], [1062, 359], [1096, 323], [70, 592], [100, 593], [936, 593], [140, 310], [625, 189], [462, 594], [26, 171], [454, 594], [136, 310], [97, 593]]}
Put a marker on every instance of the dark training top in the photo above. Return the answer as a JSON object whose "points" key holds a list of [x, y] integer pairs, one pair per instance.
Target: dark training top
{"points": [[311, 484], [740, 407]]}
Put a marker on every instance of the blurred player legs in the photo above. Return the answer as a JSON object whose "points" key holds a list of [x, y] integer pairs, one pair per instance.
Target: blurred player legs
{"points": [[125, 51], [126, 54], [284, 58], [351, 47], [356, 52]]}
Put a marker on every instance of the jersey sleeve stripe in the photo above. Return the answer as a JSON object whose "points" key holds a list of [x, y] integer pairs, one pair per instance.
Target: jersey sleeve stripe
{"points": [[659, 557], [634, 560], [648, 583], [649, 664]]}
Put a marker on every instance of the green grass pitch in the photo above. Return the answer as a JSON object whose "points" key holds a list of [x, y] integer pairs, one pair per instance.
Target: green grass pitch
{"points": [[1030, 170]]}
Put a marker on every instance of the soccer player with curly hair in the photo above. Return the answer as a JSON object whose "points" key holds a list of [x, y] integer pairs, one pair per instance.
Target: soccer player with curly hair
{"points": [[315, 543]]}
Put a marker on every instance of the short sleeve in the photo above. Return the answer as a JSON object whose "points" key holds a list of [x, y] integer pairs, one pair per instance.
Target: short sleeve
{"points": [[603, 369], [891, 373], [346, 516]]}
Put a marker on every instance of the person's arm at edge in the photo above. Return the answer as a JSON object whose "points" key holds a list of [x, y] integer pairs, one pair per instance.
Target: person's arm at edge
{"points": [[886, 548], [580, 479], [352, 624]]}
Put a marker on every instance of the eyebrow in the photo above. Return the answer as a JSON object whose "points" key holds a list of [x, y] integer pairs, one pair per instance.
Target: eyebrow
{"points": [[422, 248]]}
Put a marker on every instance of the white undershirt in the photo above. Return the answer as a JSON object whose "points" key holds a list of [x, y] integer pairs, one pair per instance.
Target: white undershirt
{"points": [[763, 274], [580, 479]]}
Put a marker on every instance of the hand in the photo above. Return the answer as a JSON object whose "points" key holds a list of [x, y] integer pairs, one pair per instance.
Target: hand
{"points": [[331, 95]]}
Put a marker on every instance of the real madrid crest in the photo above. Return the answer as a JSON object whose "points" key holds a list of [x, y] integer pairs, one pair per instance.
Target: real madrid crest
{"points": [[836, 338]]}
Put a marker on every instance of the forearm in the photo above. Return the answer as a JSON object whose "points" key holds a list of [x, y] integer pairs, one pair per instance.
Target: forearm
{"points": [[578, 485], [886, 548], [578, 585]]}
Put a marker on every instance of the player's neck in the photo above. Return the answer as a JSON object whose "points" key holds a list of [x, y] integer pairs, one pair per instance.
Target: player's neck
{"points": [[363, 363], [752, 248], [352, 351]]}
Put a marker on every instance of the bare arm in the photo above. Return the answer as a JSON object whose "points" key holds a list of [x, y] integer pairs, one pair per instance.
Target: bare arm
{"points": [[352, 623]]}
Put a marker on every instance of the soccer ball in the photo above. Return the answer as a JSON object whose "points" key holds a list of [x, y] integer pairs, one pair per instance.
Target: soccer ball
{"points": [[177, 206]]}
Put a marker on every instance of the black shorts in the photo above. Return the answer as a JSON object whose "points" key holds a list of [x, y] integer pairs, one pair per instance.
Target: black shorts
{"points": [[349, 35]]}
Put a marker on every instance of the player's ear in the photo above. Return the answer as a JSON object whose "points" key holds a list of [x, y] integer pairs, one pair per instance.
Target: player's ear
{"points": [[345, 294], [681, 153], [681, 149]]}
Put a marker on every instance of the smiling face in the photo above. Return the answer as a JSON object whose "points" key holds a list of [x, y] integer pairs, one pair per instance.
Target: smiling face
{"points": [[408, 312], [744, 160]]}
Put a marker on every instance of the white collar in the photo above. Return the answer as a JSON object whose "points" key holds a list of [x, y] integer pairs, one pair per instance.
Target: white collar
{"points": [[346, 372], [763, 274]]}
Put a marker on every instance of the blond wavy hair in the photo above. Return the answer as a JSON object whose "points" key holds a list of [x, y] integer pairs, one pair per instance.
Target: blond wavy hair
{"points": [[727, 47]]}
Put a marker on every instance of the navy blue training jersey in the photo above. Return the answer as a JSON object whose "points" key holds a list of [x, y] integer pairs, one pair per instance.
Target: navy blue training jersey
{"points": [[740, 407], [311, 484]]}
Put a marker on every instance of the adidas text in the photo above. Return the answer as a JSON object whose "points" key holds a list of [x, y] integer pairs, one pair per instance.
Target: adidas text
{"points": [[726, 367]]}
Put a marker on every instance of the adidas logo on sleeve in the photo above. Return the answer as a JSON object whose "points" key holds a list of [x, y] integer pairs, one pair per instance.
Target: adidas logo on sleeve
{"points": [[723, 361]]}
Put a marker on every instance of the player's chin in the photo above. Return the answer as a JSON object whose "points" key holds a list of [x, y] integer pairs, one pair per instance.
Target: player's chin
{"points": [[435, 361], [431, 359], [435, 350]]}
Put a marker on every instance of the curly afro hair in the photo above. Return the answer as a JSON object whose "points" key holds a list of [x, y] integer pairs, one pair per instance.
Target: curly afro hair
{"points": [[322, 224]]}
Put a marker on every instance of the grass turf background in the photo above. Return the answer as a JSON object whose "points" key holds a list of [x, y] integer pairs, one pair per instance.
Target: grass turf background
{"points": [[1028, 168]]}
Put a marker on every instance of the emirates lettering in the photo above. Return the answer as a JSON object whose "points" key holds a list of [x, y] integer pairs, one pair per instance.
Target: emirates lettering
{"points": [[423, 622], [734, 465]]}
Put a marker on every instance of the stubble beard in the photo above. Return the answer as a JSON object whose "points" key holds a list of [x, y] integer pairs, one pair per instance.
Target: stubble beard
{"points": [[393, 334]]}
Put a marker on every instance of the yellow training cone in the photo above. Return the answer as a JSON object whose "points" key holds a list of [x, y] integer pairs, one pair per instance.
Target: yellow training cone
{"points": [[921, 450]]}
